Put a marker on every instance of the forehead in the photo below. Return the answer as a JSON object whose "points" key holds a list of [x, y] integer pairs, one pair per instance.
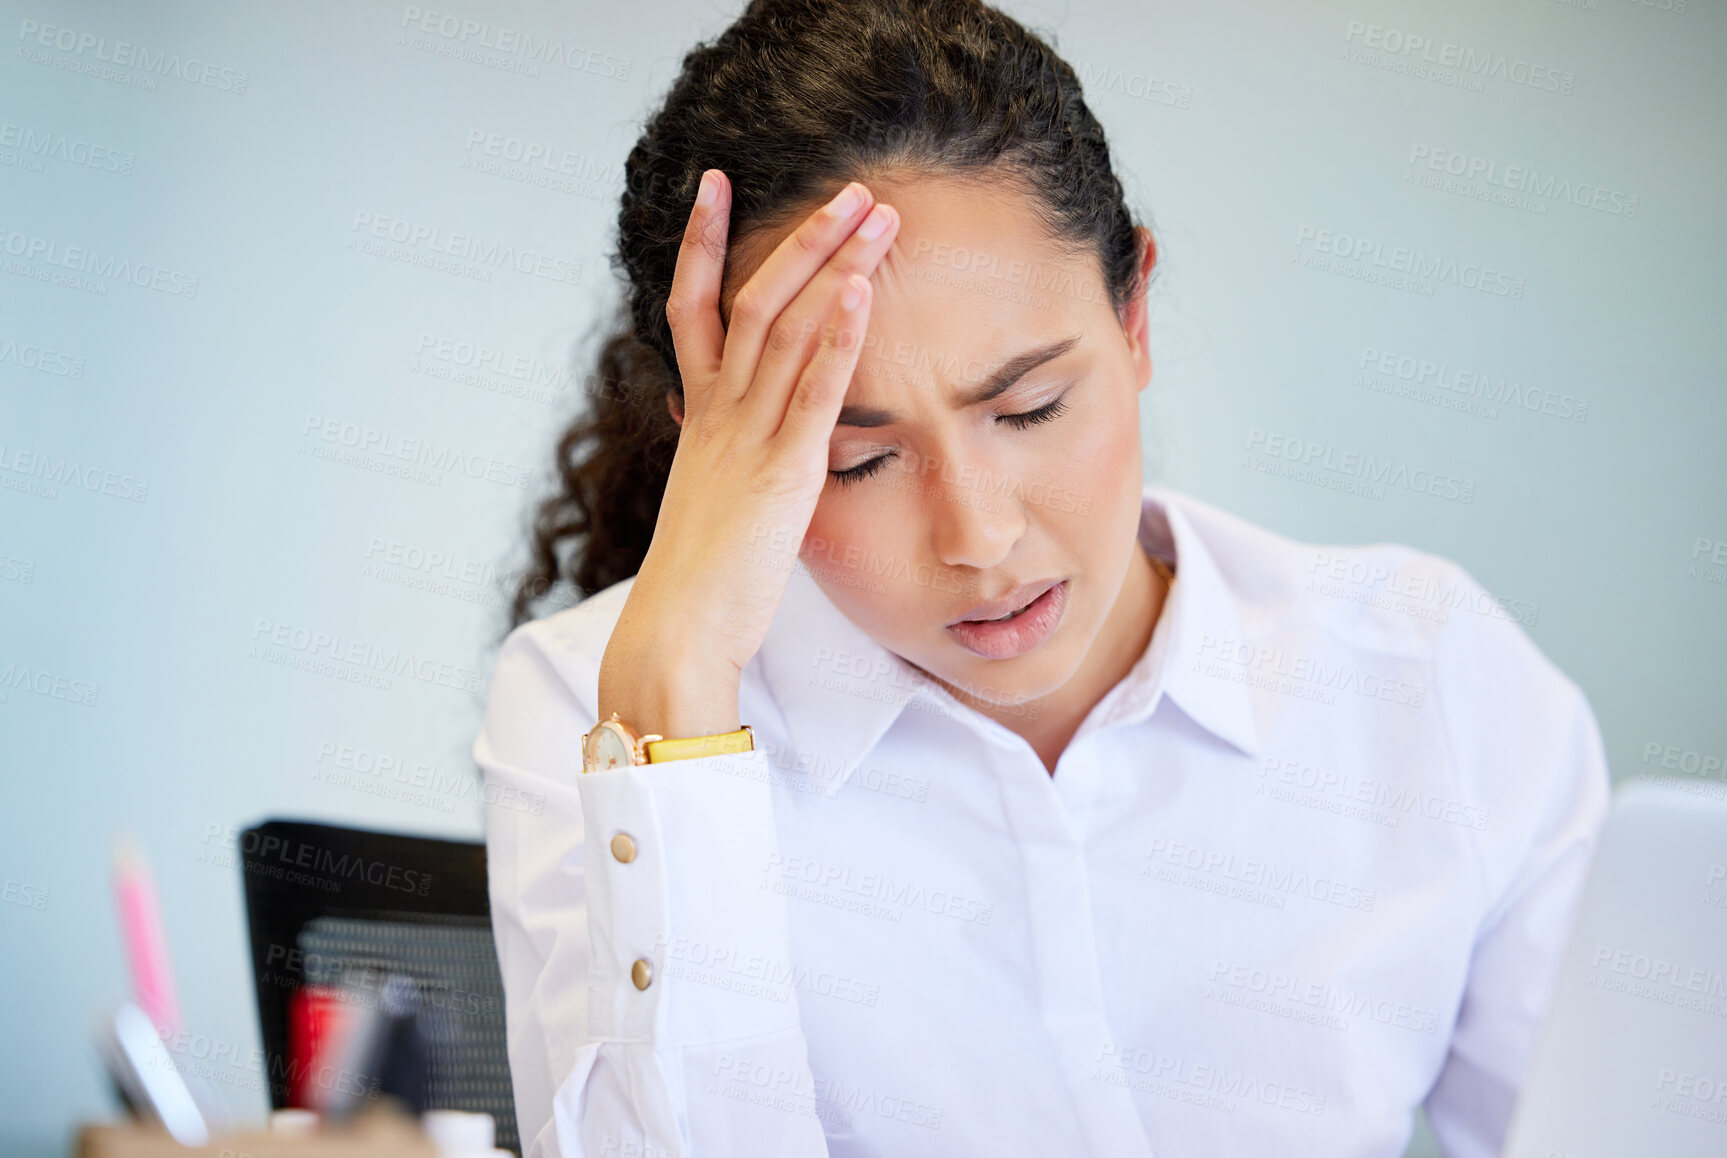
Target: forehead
{"points": [[972, 277]]}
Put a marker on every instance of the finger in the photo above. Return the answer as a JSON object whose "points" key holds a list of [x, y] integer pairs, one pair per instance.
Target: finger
{"points": [[799, 328], [780, 278], [693, 307], [821, 388]]}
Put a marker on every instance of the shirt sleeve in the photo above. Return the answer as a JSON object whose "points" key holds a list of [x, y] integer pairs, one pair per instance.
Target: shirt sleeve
{"points": [[1537, 754], [709, 1057]]}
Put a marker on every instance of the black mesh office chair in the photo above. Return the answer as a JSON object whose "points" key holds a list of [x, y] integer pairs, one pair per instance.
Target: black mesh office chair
{"points": [[324, 902]]}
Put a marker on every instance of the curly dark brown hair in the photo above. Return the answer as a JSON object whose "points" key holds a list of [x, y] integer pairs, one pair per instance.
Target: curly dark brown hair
{"points": [[792, 101]]}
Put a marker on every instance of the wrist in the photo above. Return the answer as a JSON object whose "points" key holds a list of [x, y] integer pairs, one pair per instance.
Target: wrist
{"points": [[660, 694]]}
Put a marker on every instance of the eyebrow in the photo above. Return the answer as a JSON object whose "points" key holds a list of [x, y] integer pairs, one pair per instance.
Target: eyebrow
{"points": [[995, 384]]}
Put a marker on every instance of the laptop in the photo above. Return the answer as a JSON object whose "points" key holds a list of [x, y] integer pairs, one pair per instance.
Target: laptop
{"points": [[1631, 1061]]}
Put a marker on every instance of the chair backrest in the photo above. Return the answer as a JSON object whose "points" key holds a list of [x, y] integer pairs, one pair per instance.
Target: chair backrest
{"points": [[1632, 1058], [325, 904]]}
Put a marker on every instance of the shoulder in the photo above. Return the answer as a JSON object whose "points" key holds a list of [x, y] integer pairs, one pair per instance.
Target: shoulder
{"points": [[1380, 597], [1495, 696], [1517, 732]]}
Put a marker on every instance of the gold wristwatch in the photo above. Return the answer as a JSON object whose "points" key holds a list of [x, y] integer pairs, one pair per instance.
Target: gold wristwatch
{"points": [[613, 744]]}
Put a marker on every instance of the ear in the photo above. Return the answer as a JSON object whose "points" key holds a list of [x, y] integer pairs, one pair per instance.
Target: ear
{"points": [[1135, 318], [676, 406]]}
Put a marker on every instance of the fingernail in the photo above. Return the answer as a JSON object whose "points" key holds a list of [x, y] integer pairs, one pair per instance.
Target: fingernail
{"points": [[710, 189], [847, 200], [873, 225]]}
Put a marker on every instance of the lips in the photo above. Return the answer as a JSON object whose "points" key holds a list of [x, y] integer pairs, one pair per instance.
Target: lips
{"points": [[1013, 601]]}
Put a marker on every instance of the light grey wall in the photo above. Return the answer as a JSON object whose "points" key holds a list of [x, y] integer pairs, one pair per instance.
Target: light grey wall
{"points": [[234, 307]]}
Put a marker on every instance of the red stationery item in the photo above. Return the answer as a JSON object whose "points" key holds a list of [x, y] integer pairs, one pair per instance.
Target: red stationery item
{"points": [[317, 1016]]}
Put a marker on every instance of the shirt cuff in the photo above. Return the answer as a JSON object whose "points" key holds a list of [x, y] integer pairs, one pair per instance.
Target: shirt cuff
{"points": [[687, 897]]}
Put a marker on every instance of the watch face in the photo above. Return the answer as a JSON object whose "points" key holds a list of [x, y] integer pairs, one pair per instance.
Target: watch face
{"points": [[607, 749]]}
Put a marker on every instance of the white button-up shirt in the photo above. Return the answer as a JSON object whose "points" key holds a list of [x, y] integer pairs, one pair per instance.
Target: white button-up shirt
{"points": [[1309, 864]]}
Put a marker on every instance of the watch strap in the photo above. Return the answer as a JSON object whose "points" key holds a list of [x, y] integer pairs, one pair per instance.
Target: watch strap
{"points": [[659, 751]]}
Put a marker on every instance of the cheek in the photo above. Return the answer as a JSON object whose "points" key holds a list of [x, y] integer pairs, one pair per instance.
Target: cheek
{"points": [[835, 526], [1092, 473], [1092, 500], [1109, 448], [864, 556], [851, 549]]}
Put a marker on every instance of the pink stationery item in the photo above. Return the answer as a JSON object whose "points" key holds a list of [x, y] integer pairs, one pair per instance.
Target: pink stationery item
{"points": [[146, 942]]}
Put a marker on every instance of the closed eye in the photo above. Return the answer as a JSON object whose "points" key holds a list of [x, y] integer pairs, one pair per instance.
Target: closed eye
{"points": [[861, 471], [1041, 414], [1019, 421]]}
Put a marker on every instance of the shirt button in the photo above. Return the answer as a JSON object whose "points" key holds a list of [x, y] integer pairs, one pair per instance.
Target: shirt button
{"points": [[642, 973], [623, 848]]}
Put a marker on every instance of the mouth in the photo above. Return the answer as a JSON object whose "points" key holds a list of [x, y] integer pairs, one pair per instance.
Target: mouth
{"points": [[1017, 630], [1013, 604]]}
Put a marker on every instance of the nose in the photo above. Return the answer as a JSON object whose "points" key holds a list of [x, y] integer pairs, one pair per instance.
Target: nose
{"points": [[975, 513]]}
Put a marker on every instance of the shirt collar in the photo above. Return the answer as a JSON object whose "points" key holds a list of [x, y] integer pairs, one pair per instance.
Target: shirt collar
{"points": [[840, 690], [1201, 612]]}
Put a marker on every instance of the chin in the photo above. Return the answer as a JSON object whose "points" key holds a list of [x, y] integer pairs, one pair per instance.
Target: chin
{"points": [[1006, 683]]}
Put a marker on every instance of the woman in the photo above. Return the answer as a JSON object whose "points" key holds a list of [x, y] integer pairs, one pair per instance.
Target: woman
{"points": [[1031, 847]]}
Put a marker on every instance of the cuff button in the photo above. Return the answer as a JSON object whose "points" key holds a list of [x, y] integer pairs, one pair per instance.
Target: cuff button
{"points": [[623, 848], [642, 973]]}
